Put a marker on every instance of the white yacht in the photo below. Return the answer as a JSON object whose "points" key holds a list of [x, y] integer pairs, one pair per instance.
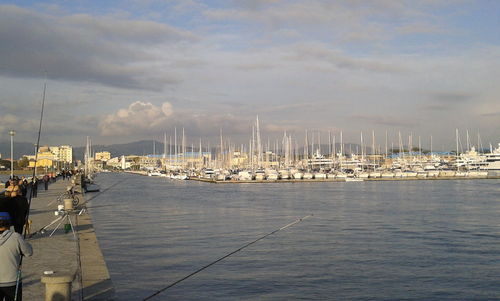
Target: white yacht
{"points": [[260, 175], [244, 176], [387, 174], [154, 173], [272, 175], [284, 174], [307, 176], [320, 175], [492, 160]]}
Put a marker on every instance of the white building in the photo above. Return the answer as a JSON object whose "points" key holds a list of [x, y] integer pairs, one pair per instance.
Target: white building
{"points": [[65, 153]]}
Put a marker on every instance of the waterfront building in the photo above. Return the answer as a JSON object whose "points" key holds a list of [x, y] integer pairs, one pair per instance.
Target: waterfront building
{"points": [[52, 156], [114, 162], [186, 160], [149, 162], [65, 154], [239, 159], [102, 156]]}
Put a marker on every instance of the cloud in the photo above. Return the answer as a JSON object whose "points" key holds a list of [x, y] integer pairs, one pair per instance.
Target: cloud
{"points": [[451, 97], [14, 122], [385, 120], [340, 21], [447, 100], [319, 53], [147, 119], [113, 52], [137, 118]]}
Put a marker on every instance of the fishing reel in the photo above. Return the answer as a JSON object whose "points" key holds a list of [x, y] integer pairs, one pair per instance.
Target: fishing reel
{"points": [[61, 212]]}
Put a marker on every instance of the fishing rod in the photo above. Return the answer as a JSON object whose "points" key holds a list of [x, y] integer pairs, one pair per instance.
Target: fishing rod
{"points": [[26, 217], [225, 256], [85, 206]]}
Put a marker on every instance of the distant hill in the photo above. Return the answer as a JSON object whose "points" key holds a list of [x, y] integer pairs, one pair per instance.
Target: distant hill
{"points": [[143, 147], [20, 149]]}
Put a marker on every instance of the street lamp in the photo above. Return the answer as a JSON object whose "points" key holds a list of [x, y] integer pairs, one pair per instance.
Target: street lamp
{"points": [[12, 133]]}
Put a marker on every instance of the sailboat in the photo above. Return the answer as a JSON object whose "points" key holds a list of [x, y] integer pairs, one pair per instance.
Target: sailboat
{"points": [[89, 184]]}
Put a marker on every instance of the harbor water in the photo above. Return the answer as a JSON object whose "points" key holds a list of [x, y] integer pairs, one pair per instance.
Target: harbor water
{"points": [[411, 240]]}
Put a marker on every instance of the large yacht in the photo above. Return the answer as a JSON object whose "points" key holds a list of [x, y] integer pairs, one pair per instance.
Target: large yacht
{"points": [[492, 160]]}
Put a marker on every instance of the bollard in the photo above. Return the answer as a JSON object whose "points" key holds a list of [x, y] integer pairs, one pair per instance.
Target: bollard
{"points": [[58, 287], [68, 204]]}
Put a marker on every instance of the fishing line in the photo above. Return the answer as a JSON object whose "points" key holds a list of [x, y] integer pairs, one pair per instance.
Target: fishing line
{"points": [[103, 191], [26, 218], [226, 256]]}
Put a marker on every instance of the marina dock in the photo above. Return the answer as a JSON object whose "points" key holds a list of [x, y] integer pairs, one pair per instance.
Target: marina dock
{"points": [[337, 180], [342, 180], [64, 253]]}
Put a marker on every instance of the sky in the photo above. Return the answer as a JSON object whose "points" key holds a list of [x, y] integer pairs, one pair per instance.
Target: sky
{"points": [[122, 71]]}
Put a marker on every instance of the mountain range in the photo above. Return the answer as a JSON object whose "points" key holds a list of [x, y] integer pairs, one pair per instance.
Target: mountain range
{"points": [[143, 147]]}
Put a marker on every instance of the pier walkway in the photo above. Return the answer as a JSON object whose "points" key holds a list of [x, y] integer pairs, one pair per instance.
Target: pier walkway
{"points": [[64, 253]]}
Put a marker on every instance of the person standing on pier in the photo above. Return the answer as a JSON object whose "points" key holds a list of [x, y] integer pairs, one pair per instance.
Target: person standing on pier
{"points": [[46, 181], [17, 206], [23, 184], [12, 247], [34, 187], [13, 189]]}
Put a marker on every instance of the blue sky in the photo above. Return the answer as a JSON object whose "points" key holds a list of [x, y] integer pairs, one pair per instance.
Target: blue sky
{"points": [[126, 70]]}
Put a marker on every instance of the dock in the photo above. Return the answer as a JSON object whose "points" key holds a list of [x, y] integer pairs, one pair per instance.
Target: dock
{"points": [[64, 252], [208, 180]]}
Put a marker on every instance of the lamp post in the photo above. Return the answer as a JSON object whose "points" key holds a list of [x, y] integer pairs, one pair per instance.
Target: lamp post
{"points": [[12, 133]]}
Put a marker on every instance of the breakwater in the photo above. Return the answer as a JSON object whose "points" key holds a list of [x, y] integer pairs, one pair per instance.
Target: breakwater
{"points": [[63, 252]]}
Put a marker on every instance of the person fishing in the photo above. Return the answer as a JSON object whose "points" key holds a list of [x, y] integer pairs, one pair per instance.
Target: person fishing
{"points": [[23, 184], [13, 190], [16, 205], [12, 247]]}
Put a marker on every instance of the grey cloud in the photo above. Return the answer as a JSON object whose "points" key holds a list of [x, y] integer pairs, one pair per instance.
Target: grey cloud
{"points": [[319, 53], [436, 107], [451, 97], [348, 19], [85, 48], [439, 101], [491, 115], [384, 120]]}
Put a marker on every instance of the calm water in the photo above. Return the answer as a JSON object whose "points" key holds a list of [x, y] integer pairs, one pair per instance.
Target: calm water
{"points": [[415, 240]]}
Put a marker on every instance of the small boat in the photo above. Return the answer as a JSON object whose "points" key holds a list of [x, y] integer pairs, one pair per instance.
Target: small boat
{"points": [[260, 175], [154, 174], [320, 176], [244, 176], [284, 174], [476, 173], [353, 180], [432, 173], [307, 176], [91, 187]]}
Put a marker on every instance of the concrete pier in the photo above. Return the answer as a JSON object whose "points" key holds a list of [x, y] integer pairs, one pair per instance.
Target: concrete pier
{"points": [[64, 253]]}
